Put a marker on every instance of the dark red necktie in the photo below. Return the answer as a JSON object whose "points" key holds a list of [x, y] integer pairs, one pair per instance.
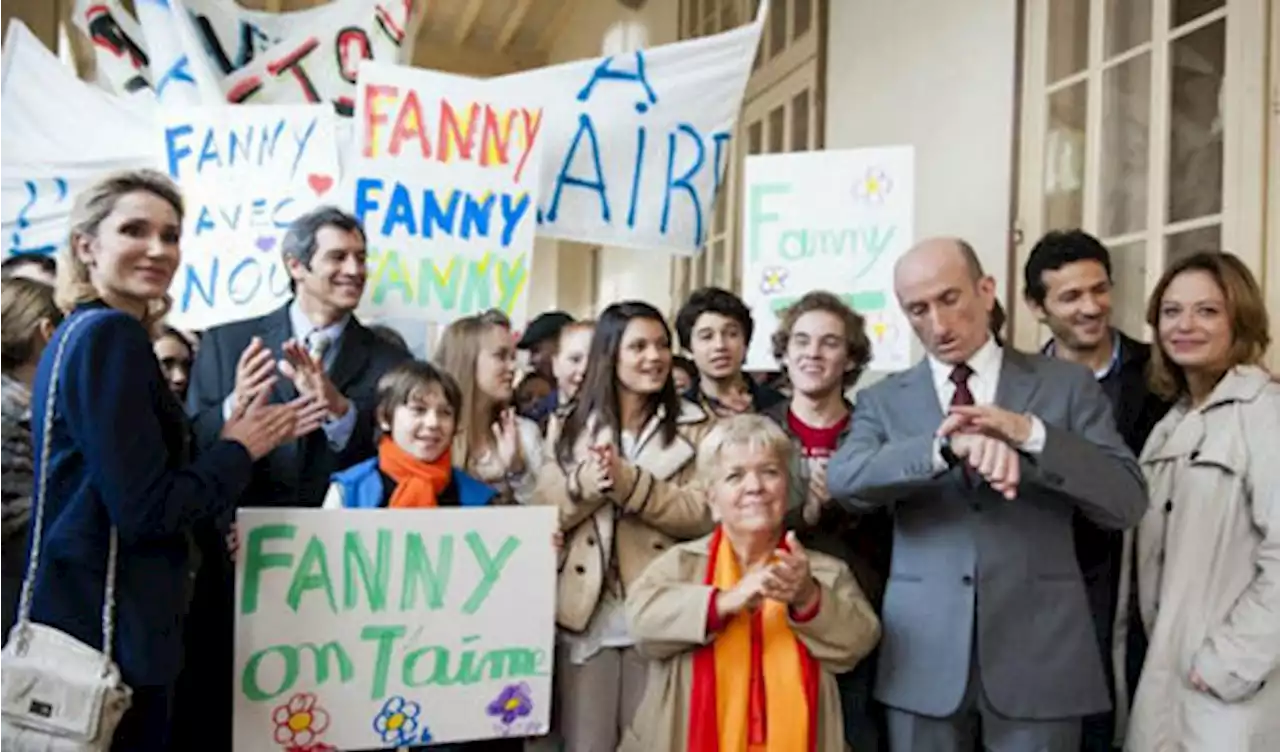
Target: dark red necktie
{"points": [[960, 377], [963, 396]]}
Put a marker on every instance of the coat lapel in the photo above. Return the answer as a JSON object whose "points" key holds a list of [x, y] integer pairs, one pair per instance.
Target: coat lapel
{"points": [[353, 355], [1018, 382], [276, 330], [924, 413]]}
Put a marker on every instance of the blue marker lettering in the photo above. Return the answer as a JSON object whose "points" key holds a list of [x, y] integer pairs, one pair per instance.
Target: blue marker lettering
{"points": [[584, 127], [683, 181]]}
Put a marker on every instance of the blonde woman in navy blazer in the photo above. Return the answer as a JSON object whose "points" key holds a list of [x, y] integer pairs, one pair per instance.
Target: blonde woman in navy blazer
{"points": [[119, 447]]}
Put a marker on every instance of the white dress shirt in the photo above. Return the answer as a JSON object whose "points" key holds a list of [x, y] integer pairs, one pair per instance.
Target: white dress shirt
{"points": [[983, 383]]}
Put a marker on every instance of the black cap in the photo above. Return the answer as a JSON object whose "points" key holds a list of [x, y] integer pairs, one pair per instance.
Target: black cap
{"points": [[543, 328]]}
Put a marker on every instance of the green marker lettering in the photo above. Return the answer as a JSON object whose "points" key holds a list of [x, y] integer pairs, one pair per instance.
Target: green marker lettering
{"points": [[304, 578], [356, 558], [256, 561], [491, 568], [418, 568], [384, 636]]}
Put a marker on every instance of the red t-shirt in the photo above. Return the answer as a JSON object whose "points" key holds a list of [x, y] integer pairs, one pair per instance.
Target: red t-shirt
{"points": [[817, 442]]}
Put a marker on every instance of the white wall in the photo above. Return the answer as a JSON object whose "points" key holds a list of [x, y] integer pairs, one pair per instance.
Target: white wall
{"points": [[938, 75], [561, 273]]}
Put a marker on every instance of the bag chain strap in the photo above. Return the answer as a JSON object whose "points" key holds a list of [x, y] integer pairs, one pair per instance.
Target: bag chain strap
{"points": [[37, 523]]}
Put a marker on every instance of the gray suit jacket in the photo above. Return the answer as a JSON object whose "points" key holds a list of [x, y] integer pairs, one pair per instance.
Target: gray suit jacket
{"points": [[971, 568]]}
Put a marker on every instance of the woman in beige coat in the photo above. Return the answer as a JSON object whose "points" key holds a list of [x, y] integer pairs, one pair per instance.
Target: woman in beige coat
{"points": [[1208, 550], [621, 474], [746, 629]]}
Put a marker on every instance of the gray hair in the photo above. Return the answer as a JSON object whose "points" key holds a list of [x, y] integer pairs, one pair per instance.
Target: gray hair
{"points": [[747, 430], [300, 241]]}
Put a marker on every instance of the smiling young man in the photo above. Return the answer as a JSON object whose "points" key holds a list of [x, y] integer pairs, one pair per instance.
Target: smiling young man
{"points": [[1068, 286], [715, 327], [821, 344]]}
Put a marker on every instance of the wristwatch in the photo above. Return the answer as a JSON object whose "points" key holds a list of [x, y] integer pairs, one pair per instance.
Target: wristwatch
{"points": [[946, 452]]}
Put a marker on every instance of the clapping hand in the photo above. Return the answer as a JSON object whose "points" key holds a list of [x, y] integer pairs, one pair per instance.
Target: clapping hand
{"points": [[790, 581], [306, 371], [506, 441]]}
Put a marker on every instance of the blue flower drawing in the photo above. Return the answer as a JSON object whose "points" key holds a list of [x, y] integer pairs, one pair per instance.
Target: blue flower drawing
{"points": [[397, 722], [514, 702]]}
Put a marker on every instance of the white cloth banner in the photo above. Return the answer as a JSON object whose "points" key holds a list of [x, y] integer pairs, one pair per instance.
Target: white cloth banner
{"points": [[636, 144], [444, 178], [377, 628], [60, 134], [828, 220], [246, 173]]}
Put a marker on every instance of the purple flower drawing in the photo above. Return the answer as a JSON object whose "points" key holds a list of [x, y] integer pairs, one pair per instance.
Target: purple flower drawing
{"points": [[514, 702]]}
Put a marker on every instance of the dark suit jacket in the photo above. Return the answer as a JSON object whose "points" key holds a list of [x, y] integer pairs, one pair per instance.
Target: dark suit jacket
{"points": [[118, 456], [296, 473]]}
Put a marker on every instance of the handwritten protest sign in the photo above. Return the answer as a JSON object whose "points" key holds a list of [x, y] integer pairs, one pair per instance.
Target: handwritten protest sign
{"points": [[444, 179], [300, 57], [246, 174], [636, 144], [828, 220], [365, 629]]}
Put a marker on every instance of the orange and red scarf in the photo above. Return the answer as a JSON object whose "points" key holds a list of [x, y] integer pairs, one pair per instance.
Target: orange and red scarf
{"points": [[418, 483], [755, 686]]}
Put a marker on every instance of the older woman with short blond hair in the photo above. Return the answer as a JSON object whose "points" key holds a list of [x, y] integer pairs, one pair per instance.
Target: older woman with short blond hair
{"points": [[746, 629]]}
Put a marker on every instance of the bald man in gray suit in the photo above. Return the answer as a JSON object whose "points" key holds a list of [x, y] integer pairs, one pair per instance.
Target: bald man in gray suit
{"points": [[983, 454]]}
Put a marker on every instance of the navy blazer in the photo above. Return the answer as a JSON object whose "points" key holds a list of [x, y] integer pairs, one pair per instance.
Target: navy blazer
{"points": [[295, 474], [119, 456]]}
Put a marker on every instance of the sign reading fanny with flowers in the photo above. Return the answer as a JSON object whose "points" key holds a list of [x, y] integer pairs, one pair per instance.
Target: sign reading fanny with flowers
{"points": [[834, 221], [369, 629]]}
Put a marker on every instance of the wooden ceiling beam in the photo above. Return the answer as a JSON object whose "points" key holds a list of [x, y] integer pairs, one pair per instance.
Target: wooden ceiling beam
{"points": [[512, 25], [561, 19], [467, 23]]}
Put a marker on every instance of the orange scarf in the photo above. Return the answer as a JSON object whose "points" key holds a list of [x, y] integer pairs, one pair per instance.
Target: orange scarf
{"points": [[418, 483], [726, 670]]}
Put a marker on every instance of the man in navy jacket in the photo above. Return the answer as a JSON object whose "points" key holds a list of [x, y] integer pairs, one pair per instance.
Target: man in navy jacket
{"points": [[313, 344]]}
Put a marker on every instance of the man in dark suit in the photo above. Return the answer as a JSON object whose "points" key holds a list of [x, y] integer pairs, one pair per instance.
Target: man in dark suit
{"points": [[983, 454], [312, 345], [1068, 286]]}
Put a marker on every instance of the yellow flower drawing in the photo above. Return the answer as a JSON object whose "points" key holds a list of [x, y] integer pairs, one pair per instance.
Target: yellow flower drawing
{"points": [[299, 721], [773, 280], [875, 186]]}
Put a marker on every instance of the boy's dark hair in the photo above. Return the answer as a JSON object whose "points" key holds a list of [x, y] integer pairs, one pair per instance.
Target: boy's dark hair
{"points": [[712, 300], [398, 386], [686, 365], [47, 264], [1054, 251]]}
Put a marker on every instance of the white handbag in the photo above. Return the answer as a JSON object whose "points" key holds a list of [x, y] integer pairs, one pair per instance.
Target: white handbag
{"points": [[59, 694]]}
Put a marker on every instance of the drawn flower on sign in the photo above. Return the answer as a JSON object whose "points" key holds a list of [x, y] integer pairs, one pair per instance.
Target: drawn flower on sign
{"points": [[299, 721], [397, 722], [773, 280], [874, 186], [425, 737], [514, 702]]}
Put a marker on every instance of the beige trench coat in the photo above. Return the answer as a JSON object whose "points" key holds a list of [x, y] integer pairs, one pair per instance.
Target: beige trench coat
{"points": [[667, 608], [1208, 558], [656, 495]]}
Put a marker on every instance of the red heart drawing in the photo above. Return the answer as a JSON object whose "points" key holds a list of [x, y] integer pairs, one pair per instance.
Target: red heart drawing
{"points": [[320, 183]]}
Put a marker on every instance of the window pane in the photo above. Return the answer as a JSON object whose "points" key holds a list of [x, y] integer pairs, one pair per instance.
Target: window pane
{"points": [[1186, 243], [1064, 158], [777, 27], [1126, 105], [803, 18], [800, 121], [1189, 10], [1195, 123], [755, 137], [1068, 38], [1128, 24], [777, 122], [1129, 293]]}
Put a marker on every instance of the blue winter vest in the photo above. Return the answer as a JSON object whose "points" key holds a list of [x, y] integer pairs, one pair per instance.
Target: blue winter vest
{"points": [[362, 487]]}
